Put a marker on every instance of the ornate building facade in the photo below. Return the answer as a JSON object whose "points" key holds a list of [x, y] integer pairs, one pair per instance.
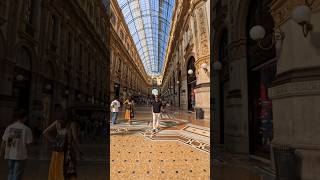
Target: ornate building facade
{"points": [[266, 91], [186, 76], [52, 52], [128, 75]]}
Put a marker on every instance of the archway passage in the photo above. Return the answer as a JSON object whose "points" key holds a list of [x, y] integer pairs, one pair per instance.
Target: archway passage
{"points": [[192, 82]]}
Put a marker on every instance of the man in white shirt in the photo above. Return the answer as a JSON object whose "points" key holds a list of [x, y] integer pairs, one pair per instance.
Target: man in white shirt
{"points": [[115, 105], [15, 141]]}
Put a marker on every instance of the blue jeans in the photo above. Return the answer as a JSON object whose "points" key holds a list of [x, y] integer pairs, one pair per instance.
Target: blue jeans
{"points": [[16, 168], [114, 117]]}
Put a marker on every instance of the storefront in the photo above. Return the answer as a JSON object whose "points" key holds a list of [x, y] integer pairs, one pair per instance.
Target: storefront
{"points": [[260, 109], [261, 74]]}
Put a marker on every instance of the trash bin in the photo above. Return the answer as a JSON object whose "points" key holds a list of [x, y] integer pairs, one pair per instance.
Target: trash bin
{"points": [[199, 113], [284, 158]]}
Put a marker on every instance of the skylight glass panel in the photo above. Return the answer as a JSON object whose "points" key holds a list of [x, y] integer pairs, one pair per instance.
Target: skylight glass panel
{"points": [[149, 22]]}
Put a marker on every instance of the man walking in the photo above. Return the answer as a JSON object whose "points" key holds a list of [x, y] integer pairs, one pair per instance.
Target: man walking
{"points": [[156, 112], [15, 141], [115, 105]]}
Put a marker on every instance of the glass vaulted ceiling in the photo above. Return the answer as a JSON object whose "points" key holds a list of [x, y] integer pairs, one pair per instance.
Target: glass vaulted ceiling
{"points": [[149, 23]]}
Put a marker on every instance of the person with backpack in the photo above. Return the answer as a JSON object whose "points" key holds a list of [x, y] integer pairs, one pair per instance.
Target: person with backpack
{"points": [[64, 143]]}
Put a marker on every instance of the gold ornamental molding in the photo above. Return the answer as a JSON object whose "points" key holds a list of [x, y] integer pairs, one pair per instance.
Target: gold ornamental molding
{"points": [[281, 9]]}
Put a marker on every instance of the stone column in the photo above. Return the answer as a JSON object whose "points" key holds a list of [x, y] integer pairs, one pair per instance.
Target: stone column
{"points": [[202, 90], [296, 90]]}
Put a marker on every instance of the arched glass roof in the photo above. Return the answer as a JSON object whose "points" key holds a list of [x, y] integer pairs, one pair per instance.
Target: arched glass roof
{"points": [[149, 22]]}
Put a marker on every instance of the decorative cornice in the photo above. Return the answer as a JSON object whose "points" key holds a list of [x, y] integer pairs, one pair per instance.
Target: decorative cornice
{"points": [[235, 94], [298, 75], [203, 85], [306, 88], [296, 83]]}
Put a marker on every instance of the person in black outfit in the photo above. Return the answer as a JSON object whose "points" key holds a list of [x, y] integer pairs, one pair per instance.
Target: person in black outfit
{"points": [[156, 112]]}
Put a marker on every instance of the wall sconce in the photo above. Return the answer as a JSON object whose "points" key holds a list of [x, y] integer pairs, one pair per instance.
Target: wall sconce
{"points": [[19, 77], [217, 65], [204, 66], [178, 82], [258, 33], [190, 71], [302, 15]]}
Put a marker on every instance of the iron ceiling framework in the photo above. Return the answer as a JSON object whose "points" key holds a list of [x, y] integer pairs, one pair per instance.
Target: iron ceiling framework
{"points": [[149, 22]]}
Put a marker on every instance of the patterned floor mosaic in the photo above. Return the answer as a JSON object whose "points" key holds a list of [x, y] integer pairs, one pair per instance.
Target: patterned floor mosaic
{"points": [[171, 129], [135, 157], [179, 150]]}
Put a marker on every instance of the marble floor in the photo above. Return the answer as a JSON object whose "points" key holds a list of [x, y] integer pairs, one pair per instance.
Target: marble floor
{"points": [[135, 157], [180, 150]]}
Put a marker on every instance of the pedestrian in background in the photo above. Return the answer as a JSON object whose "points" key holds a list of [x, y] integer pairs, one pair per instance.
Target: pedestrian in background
{"points": [[128, 104], [115, 105], [15, 143]]}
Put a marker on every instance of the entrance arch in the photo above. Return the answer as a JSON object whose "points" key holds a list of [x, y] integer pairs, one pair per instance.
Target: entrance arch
{"points": [[191, 82]]}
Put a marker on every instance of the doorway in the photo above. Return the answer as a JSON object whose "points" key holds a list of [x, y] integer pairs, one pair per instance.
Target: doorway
{"points": [[117, 90], [192, 81], [260, 109]]}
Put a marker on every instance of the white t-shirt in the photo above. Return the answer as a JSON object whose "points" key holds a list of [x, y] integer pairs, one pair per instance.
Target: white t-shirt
{"points": [[115, 105], [17, 136]]}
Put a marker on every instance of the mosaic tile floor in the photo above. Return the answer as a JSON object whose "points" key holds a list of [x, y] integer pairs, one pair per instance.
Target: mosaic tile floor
{"points": [[179, 151], [135, 157]]}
